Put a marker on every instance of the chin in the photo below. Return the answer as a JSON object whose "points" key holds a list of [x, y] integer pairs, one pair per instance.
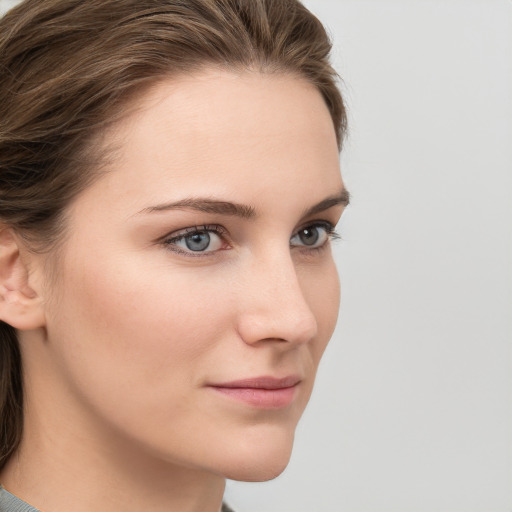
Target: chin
{"points": [[259, 471], [260, 474], [258, 458]]}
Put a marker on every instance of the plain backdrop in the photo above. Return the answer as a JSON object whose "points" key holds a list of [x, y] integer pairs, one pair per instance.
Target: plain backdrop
{"points": [[412, 411]]}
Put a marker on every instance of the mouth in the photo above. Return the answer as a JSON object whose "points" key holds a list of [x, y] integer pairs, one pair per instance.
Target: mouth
{"points": [[260, 392]]}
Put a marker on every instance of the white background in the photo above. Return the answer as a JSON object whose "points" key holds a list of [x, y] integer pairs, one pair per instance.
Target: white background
{"points": [[413, 407]]}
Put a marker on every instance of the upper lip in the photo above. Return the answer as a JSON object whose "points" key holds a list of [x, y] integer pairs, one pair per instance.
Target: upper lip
{"points": [[261, 383]]}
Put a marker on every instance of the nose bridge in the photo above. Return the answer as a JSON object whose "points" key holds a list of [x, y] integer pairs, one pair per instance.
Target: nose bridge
{"points": [[276, 307]]}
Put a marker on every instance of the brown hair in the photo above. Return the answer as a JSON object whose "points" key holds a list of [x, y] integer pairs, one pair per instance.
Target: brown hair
{"points": [[67, 67]]}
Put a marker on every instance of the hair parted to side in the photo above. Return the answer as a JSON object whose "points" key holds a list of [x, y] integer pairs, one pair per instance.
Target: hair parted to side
{"points": [[67, 68]]}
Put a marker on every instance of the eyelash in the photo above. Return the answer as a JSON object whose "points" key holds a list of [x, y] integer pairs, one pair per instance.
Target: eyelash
{"points": [[170, 243], [330, 231], [221, 232]]}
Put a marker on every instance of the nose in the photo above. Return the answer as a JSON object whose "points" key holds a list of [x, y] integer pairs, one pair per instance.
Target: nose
{"points": [[272, 305]]}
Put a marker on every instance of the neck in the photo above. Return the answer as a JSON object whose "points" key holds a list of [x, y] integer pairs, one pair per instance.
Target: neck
{"points": [[61, 469]]}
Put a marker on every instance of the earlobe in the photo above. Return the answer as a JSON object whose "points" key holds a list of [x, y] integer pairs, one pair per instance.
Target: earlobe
{"points": [[20, 304]]}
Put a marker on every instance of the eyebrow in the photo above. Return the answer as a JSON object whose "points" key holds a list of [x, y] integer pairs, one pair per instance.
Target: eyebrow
{"points": [[221, 207], [206, 205], [342, 198]]}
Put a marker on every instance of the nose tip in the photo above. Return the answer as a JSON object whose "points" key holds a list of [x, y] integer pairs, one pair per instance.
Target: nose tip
{"points": [[277, 324], [277, 310]]}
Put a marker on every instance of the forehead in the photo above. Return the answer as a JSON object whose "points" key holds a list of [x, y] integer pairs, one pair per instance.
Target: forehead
{"points": [[218, 129]]}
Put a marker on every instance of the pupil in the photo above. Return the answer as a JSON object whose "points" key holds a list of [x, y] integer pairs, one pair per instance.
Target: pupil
{"points": [[309, 236], [198, 241]]}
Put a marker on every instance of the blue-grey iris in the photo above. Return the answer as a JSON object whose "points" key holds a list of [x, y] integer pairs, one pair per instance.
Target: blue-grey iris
{"points": [[309, 236], [198, 241]]}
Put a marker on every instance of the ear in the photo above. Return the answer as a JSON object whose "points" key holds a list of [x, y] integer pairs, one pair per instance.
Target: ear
{"points": [[20, 305]]}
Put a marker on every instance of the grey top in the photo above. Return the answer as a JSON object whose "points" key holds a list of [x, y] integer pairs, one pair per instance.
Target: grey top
{"points": [[10, 503]]}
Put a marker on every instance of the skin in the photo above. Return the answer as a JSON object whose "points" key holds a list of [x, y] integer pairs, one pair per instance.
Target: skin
{"points": [[135, 327]]}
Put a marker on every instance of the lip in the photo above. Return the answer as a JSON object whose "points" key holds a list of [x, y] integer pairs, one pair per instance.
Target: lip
{"points": [[260, 392]]}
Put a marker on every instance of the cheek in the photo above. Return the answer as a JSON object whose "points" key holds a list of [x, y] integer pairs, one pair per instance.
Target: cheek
{"points": [[130, 328]]}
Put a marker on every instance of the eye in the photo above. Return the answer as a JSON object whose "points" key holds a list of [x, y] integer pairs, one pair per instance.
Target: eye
{"points": [[205, 239], [313, 236]]}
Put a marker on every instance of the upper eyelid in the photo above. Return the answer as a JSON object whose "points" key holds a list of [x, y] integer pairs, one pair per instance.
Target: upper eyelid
{"points": [[324, 223], [181, 233], [220, 230]]}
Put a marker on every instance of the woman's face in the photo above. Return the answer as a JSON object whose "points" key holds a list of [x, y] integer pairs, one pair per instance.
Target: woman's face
{"points": [[196, 291]]}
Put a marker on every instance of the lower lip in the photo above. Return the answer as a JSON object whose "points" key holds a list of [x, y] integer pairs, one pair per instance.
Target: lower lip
{"points": [[260, 398]]}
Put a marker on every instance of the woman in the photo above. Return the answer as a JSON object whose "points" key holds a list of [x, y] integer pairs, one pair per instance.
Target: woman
{"points": [[169, 183]]}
